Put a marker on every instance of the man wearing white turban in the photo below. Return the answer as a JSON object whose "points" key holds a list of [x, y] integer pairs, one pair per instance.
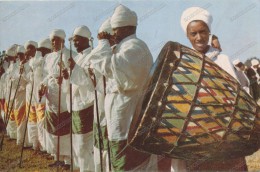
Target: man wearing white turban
{"points": [[10, 79], [44, 48], [20, 100], [122, 67], [57, 127], [196, 23], [82, 102], [241, 75], [33, 59], [100, 87]]}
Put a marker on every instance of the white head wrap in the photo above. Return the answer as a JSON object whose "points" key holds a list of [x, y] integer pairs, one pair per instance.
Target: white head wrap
{"points": [[106, 27], [82, 31], [11, 51], [59, 33], [235, 62], [123, 16], [195, 13], [20, 49], [45, 43], [33, 43], [254, 62]]}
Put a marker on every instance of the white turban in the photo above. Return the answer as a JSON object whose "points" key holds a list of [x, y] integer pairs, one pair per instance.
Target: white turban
{"points": [[20, 49], [11, 51], [45, 43], [82, 31], [254, 62], [33, 43], [106, 27], [195, 13], [123, 16], [236, 62], [59, 33]]}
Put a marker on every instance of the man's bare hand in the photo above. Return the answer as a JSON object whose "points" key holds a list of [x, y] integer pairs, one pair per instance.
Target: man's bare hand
{"points": [[65, 73], [103, 35], [71, 63]]}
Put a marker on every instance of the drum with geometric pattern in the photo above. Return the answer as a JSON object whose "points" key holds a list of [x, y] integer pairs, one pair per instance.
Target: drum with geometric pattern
{"points": [[193, 109]]}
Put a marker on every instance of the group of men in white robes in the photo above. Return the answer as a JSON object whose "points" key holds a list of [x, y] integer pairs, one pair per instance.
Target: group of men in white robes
{"points": [[92, 94]]}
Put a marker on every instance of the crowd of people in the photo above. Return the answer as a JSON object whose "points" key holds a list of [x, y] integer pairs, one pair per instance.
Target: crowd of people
{"points": [[94, 93]]}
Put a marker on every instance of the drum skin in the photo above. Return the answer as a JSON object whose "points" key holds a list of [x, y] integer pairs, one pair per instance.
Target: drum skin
{"points": [[193, 109]]}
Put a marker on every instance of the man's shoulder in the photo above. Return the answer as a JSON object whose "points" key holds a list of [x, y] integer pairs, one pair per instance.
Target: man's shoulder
{"points": [[134, 43]]}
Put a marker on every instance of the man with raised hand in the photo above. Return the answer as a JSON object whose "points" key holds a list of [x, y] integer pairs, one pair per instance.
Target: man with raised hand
{"points": [[126, 69], [57, 125]]}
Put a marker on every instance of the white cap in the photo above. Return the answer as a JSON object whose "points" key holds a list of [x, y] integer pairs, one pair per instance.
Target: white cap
{"points": [[254, 62], [45, 43], [20, 49], [82, 31], [237, 61], [11, 51], [59, 33], [33, 43], [195, 13], [106, 27], [123, 16]]}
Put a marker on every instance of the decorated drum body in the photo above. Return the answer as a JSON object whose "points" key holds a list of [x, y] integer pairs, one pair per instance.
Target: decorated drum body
{"points": [[193, 109]]}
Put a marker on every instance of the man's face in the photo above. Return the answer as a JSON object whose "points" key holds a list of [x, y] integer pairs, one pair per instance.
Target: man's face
{"points": [[44, 51], [20, 56], [30, 51], [198, 34], [57, 43], [120, 33], [242, 67], [255, 66], [80, 43]]}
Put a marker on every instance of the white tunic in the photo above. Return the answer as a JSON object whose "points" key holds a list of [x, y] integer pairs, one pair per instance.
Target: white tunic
{"points": [[82, 93], [126, 69], [52, 72], [222, 60]]}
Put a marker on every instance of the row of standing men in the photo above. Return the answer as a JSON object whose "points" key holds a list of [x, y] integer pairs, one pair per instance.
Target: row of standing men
{"points": [[106, 85]]}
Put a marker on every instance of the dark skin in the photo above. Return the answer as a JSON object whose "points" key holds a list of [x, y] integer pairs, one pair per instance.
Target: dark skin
{"points": [[105, 35], [80, 43], [30, 51], [198, 34], [215, 43], [121, 33], [21, 57], [44, 51], [57, 43]]}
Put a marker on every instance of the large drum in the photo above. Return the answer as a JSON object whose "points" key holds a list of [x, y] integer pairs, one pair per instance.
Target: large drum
{"points": [[193, 109]]}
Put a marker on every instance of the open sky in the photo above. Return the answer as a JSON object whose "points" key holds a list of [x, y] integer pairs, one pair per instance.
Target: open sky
{"points": [[235, 22]]}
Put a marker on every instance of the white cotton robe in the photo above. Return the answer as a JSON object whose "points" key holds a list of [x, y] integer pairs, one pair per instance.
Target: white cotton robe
{"points": [[82, 98], [51, 72]]}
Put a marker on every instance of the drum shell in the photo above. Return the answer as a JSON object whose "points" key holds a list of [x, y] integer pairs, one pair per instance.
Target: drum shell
{"points": [[149, 131]]}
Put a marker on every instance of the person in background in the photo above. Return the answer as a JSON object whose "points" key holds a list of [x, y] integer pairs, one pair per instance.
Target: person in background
{"points": [[241, 75]]}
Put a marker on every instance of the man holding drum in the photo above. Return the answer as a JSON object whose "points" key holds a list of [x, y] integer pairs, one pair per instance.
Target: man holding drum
{"points": [[196, 23]]}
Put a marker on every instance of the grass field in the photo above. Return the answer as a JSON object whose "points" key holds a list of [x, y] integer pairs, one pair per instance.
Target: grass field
{"points": [[10, 158]]}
